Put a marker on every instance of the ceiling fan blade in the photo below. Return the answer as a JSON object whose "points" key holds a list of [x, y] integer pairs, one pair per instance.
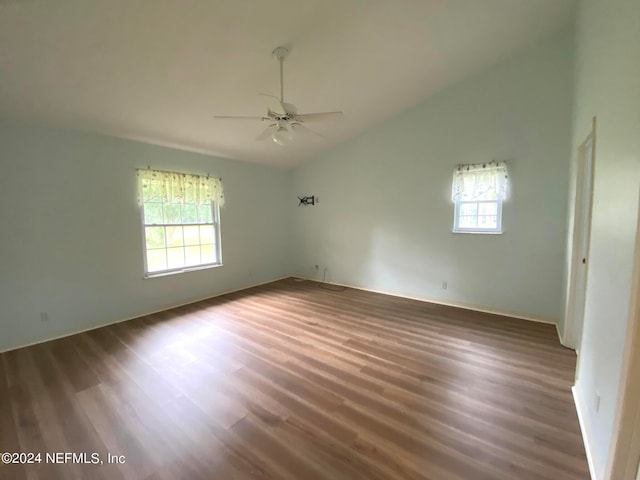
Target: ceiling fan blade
{"points": [[304, 117], [275, 105], [303, 129], [266, 133], [237, 117], [283, 117]]}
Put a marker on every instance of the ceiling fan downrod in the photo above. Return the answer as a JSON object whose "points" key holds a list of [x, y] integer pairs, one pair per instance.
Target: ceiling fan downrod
{"points": [[280, 53]]}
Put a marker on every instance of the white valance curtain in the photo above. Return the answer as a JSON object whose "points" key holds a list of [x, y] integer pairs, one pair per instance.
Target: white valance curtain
{"points": [[178, 187], [480, 181]]}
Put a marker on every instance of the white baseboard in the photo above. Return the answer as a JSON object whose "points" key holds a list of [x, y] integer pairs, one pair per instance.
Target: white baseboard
{"points": [[163, 309], [586, 432], [450, 303]]}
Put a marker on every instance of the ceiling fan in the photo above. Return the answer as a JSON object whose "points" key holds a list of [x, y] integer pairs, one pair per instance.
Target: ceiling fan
{"points": [[283, 117]]}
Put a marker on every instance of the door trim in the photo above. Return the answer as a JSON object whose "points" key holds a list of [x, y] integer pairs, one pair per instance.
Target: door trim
{"points": [[583, 181]]}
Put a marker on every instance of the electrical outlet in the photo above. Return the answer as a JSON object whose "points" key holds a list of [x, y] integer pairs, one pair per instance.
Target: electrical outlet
{"points": [[597, 401], [44, 316], [444, 285]]}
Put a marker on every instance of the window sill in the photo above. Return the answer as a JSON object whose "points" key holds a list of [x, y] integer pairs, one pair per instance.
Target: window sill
{"points": [[478, 232], [182, 270]]}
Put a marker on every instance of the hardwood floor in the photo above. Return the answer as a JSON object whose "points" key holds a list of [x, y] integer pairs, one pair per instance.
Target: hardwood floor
{"points": [[291, 381]]}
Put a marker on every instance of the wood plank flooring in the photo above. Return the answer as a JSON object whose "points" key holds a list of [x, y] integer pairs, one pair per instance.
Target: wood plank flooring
{"points": [[292, 381]]}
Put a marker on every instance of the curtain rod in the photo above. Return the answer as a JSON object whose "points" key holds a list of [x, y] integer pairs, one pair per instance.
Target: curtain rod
{"points": [[182, 173]]}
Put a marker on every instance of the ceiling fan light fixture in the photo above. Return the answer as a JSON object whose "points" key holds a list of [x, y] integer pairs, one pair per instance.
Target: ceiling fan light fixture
{"points": [[282, 136]]}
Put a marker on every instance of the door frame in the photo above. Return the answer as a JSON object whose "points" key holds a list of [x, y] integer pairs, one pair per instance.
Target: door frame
{"points": [[580, 240], [624, 452]]}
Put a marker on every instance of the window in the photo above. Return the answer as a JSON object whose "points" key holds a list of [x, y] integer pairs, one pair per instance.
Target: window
{"points": [[478, 191], [180, 219]]}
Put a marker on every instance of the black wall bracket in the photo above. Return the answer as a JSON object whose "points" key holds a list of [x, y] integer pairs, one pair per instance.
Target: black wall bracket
{"points": [[307, 200]]}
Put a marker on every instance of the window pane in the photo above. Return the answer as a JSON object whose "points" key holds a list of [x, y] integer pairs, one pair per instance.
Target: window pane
{"points": [[172, 213], [208, 254], [154, 237], [174, 237], [175, 257], [191, 235], [189, 213], [478, 216], [488, 209], [205, 213], [152, 213], [156, 260], [192, 256], [487, 221], [207, 234], [468, 209], [468, 221]]}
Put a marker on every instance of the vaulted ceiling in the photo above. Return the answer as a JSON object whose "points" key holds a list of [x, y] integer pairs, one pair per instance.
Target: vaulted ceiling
{"points": [[159, 70]]}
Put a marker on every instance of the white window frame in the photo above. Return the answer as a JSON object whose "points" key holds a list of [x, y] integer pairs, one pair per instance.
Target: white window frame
{"points": [[478, 184], [456, 218], [215, 217]]}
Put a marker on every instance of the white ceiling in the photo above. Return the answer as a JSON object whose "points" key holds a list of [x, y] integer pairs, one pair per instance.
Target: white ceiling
{"points": [[158, 70]]}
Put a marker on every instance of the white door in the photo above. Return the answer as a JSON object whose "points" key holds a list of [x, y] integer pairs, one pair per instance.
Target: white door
{"points": [[580, 253]]}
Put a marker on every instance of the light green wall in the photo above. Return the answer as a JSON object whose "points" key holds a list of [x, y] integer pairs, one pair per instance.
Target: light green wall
{"points": [[608, 87], [385, 215], [71, 240]]}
